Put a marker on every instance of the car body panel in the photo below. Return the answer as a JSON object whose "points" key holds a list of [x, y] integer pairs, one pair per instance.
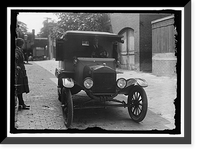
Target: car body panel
{"points": [[75, 62]]}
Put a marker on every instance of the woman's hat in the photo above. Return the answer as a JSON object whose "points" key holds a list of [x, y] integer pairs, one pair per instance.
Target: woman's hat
{"points": [[19, 42]]}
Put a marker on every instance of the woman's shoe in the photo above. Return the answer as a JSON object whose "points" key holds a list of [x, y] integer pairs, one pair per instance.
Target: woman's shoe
{"points": [[24, 107]]}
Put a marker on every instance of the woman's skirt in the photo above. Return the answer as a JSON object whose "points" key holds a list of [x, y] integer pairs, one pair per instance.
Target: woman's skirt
{"points": [[22, 82]]}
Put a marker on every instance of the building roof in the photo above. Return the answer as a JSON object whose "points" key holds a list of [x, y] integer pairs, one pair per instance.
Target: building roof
{"points": [[163, 19], [40, 42], [90, 33]]}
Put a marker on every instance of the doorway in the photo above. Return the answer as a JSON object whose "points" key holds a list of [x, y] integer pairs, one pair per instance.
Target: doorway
{"points": [[127, 49]]}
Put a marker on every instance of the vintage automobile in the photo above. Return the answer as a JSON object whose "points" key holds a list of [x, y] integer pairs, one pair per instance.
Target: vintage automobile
{"points": [[83, 67]]}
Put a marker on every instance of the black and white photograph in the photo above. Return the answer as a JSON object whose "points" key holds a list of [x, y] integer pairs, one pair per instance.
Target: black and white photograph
{"points": [[85, 72]]}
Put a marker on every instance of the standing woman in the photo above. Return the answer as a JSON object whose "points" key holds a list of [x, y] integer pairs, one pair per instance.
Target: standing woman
{"points": [[22, 79]]}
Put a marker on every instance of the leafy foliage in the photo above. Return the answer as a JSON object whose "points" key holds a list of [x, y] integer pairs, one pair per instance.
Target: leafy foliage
{"points": [[47, 28], [83, 21], [21, 29], [75, 21]]}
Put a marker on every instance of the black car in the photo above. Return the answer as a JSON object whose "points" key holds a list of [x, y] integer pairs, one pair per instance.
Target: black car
{"points": [[87, 61]]}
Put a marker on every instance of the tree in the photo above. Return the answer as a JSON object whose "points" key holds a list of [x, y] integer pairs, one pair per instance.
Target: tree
{"points": [[48, 24], [21, 29], [84, 21], [50, 27], [75, 21]]}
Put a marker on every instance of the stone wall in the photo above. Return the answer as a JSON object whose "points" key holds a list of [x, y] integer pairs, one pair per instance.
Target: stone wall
{"points": [[164, 64]]}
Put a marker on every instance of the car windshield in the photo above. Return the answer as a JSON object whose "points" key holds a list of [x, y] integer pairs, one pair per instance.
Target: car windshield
{"points": [[90, 45]]}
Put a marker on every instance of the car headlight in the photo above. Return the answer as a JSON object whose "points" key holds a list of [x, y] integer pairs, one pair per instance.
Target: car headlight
{"points": [[121, 83], [88, 83]]}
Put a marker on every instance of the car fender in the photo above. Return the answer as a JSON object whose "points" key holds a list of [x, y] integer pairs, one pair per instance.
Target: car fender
{"points": [[136, 81], [131, 83], [68, 82]]}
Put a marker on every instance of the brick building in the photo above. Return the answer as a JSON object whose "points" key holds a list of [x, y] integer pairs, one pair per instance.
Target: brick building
{"points": [[136, 51]]}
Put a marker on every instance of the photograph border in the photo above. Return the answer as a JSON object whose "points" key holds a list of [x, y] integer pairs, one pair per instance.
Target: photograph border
{"points": [[186, 139]]}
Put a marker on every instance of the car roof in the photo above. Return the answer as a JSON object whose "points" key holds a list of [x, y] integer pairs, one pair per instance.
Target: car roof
{"points": [[91, 33]]}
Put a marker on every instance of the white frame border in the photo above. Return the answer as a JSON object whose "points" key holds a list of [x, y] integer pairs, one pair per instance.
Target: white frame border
{"points": [[92, 8]]}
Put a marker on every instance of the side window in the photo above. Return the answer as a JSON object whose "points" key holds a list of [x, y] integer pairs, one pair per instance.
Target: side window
{"points": [[85, 43]]}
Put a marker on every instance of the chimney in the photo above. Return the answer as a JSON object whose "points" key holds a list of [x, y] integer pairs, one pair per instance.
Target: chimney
{"points": [[33, 37]]}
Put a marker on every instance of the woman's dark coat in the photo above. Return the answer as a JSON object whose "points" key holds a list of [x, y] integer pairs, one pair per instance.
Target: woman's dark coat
{"points": [[22, 79]]}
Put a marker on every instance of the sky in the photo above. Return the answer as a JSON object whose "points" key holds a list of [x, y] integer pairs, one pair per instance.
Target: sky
{"points": [[34, 20]]}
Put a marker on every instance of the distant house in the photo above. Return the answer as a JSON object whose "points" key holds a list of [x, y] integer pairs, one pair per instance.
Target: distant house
{"points": [[136, 51], [40, 48]]}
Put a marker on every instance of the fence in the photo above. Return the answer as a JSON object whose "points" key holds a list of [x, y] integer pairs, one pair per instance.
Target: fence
{"points": [[163, 47]]}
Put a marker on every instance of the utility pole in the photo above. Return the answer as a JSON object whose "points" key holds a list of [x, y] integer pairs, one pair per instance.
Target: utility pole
{"points": [[48, 37], [47, 18]]}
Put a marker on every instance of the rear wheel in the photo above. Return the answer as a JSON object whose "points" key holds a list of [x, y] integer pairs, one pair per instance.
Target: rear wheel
{"points": [[137, 104], [67, 106]]}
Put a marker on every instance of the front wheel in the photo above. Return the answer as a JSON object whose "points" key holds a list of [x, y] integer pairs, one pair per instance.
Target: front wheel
{"points": [[67, 106], [137, 104]]}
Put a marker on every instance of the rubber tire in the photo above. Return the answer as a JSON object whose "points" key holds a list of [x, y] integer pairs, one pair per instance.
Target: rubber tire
{"points": [[144, 105], [67, 106]]}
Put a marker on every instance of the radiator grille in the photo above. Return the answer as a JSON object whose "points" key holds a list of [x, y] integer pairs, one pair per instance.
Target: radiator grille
{"points": [[104, 82]]}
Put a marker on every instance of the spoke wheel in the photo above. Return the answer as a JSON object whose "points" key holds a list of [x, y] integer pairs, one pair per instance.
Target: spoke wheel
{"points": [[67, 106], [137, 104]]}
